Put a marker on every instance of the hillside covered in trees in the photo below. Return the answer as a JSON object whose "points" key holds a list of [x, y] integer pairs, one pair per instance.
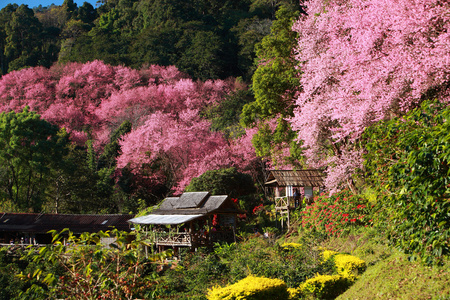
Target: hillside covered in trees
{"points": [[113, 108], [206, 39]]}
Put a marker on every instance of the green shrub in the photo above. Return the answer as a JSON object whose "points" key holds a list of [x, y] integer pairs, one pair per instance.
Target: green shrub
{"points": [[408, 161], [325, 286], [349, 266], [229, 182], [290, 246], [327, 254], [346, 265], [195, 274], [252, 288]]}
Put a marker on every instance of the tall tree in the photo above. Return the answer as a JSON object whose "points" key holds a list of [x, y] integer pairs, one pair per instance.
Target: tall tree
{"points": [[29, 149], [275, 84], [202, 55], [23, 34], [5, 17]]}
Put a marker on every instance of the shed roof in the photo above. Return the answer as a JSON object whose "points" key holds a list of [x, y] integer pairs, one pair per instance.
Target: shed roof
{"points": [[298, 178], [172, 209], [191, 200], [164, 219], [42, 223]]}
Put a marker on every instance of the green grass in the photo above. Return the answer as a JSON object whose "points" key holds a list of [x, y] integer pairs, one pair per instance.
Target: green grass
{"points": [[395, 277], [390, 275]]}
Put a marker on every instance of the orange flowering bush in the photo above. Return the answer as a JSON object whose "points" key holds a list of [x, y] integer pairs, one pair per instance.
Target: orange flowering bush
{"points": [[336, 214]]}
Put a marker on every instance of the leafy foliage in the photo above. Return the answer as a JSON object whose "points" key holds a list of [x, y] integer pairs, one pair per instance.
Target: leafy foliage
{"points": [[223, 182], [12, 264], [408, 160], [275, 83], [91, 269], [229, 264], [207, 39], [325, 286], [252, 287], [30, 150]]}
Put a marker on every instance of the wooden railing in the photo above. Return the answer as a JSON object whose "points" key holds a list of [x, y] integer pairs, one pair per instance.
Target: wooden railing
{"points": [[287, 202], [191, 240], [173, 239], [283, 203]]}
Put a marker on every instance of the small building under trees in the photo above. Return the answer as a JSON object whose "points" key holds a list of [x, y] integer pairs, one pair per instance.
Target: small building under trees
{"points": [[193, 220], [292, 188], [33, 228]]}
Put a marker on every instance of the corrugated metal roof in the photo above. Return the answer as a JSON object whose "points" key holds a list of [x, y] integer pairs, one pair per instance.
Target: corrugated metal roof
{"points": [[164, 219], [41, 223], [191, 203], [298, 178]]}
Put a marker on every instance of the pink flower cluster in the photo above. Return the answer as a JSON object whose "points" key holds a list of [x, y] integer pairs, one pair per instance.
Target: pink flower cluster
{"points": [[163, 104], [363, 61]]}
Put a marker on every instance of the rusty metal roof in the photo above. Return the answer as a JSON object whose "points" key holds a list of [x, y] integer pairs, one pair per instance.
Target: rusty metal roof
{"points": [[297, 178], [42, 223]]}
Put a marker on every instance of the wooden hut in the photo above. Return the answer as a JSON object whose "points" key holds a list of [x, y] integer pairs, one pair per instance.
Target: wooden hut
{"points": [[292, 188], [192, 220]]}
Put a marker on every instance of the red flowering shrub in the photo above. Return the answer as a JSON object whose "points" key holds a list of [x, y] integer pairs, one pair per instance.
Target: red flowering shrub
{"points": [[257, 209], [336, 214]]}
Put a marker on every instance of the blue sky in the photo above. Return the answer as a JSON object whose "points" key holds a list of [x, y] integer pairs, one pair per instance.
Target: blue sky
{"points": [[34, 3]]}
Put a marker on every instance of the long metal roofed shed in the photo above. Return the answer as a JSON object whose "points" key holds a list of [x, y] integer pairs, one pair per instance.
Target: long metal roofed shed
{"points": [[27, 225], [198, 219]]}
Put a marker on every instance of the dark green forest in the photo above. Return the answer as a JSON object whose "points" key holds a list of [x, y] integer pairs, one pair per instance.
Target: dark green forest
{"points": [[206, 39]]}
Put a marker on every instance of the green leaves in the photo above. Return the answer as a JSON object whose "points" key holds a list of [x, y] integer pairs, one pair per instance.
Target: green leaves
{"points": [[223, 182], [30, 148], [84, 267], [275, 84], [410, 156]]}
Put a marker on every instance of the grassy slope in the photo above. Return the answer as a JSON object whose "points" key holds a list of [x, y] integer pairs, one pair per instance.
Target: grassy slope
{"points": [[396, 278], [390, 275]]}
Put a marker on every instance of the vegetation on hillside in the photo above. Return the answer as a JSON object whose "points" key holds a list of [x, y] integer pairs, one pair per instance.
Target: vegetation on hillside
{"points": [[113, 108], [206, 39]]}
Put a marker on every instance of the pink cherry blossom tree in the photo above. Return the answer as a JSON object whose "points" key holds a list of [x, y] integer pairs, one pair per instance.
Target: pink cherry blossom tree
{"points": [[34, 87], [363, 61], [170, 142]]}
